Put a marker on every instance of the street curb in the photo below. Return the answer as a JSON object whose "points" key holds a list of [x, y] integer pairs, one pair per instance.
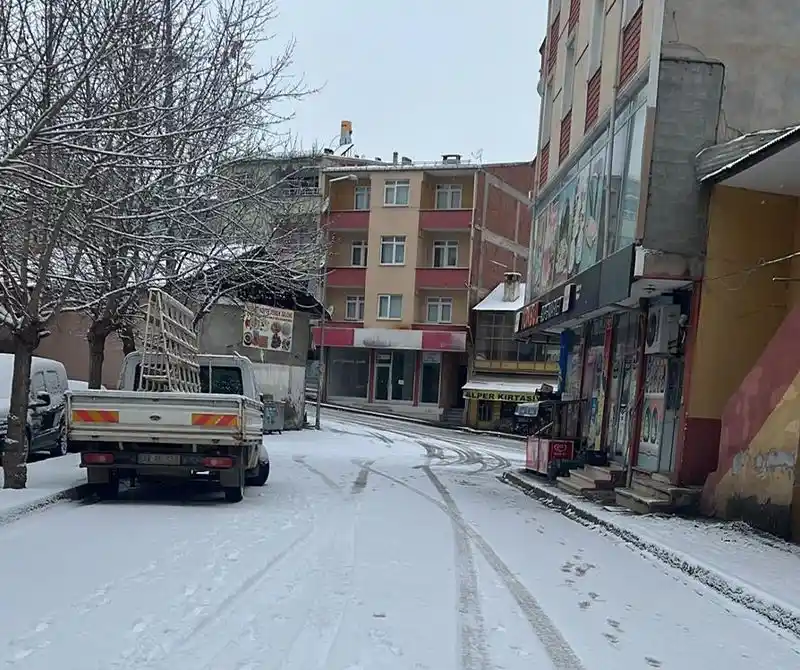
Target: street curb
{"points": [[781, 615], [77, 492], [421, 422]]}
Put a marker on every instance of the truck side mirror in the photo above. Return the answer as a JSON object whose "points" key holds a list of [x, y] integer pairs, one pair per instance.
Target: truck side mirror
{"points": [[42, 400]]}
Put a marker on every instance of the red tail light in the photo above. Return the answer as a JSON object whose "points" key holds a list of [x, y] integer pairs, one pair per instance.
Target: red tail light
{"points": [[97, 459], [218, 462]]}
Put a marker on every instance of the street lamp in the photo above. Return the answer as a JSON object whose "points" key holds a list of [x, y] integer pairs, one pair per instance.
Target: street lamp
{"points": [[324, 302]]}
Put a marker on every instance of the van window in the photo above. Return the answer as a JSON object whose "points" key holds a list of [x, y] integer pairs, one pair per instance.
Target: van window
{"points": [[37, 384], [224, 379]]}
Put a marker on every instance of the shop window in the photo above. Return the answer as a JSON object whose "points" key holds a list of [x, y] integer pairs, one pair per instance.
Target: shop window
{"points": [[485, 411], [348, 372]]}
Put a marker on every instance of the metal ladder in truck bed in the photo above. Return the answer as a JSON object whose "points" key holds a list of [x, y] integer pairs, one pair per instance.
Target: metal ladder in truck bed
{"points": [[170, 346]]}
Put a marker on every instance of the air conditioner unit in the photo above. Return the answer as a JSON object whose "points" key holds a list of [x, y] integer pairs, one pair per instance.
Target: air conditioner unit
{"points": [[662, 329]]}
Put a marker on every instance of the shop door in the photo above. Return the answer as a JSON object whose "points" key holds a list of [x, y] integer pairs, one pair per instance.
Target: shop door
{"points": [[383, 375]]}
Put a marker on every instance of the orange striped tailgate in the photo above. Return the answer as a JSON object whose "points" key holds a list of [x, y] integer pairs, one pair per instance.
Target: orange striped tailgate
{"points": [[216, 420], [95, 416]]}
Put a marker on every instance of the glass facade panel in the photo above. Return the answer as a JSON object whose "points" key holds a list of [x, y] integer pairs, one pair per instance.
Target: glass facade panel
{"points": [[348, 372]]}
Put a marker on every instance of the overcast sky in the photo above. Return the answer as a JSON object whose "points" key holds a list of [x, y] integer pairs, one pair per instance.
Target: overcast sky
{"points": [[421, 77]]}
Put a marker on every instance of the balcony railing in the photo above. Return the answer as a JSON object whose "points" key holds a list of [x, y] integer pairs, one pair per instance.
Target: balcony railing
{"points": [[348, 220], [346, 277], [445, 278], [445, 219]]}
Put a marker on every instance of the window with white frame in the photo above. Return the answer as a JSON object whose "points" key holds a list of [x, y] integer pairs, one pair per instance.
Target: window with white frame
{"points": [[358, 254], [596, 37], [629, 8], [395, 192], [448, 196], [354, 308], [445, 254], [568, 87], [362, 198], [393, 249], [547, 114], [390, 306], [440, 310]]}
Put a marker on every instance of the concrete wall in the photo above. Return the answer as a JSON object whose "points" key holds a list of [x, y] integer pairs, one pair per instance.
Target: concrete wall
{"points": [[281, 374], [685, 122], [758, 45], [746, 371]]}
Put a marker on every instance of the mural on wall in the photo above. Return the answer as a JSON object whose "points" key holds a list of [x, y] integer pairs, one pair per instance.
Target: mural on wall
{"points": [[566, 232], [267, 328], [595, 198], [536, 259]]}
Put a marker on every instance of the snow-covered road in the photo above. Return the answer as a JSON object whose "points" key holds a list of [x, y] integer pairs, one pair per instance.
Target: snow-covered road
{"points": [[376, 545]]}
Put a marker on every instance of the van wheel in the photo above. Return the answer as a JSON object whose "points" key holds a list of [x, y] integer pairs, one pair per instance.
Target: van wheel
{"points": [[234, 494], [61, 447], [260, 478]]}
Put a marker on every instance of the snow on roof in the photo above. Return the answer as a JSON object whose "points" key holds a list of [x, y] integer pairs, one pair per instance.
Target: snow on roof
{"points": [[506, 385], [494, 301]]}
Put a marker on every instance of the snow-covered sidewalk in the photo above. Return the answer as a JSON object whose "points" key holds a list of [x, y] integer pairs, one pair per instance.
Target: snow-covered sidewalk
{"points": [[49, 481], [749, 568]]}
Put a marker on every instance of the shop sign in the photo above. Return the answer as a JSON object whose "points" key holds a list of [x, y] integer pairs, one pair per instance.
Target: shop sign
{"points": [[502, 396], [540, 312]]}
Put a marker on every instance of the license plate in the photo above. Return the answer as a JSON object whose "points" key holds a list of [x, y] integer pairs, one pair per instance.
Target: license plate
{"points": [[159, 459]]}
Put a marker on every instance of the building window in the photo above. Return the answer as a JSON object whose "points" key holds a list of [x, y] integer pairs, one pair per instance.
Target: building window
{"points": [[484, 411], [547, 114], [448, 196], [354, 308], [362, 198], [390, 306], [395, 193], [393, 250], [445, 254], [596, 37], [568, 87], [358, 254], [494, 341], [439, 310], [629, 8]]}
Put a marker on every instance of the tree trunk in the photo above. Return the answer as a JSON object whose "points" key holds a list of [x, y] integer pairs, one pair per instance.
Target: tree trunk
{"points": [[15, 454], [97, 336]]}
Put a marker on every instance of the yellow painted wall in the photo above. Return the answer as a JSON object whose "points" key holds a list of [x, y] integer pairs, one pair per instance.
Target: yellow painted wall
{"points": [[741, 307], [428, 196], [460, 311], [390, 220], [337, 298], [425, 246]]}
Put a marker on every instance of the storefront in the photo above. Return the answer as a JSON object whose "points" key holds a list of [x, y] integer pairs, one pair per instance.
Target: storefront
{"points": [[410, 371], [492, 400]]}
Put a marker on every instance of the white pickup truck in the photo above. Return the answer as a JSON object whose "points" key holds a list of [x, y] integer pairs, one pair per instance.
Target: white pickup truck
{"points": [[214, 435]]}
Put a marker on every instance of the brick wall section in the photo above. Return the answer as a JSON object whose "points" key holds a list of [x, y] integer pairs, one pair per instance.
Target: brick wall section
{"points": [[506, 217], [574, 15], [631, 37], [592, 100], [563, 140], [552, 44], [544, 160]]}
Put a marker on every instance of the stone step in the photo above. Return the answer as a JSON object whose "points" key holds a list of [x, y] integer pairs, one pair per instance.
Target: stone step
{"points": [[679, 497], [584, 487], [640, 502], [613, 474], [583, 481]]}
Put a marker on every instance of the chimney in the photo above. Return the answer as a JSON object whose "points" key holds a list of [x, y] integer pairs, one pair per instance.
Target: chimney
{"points": [[395, 157], [511, 286]]}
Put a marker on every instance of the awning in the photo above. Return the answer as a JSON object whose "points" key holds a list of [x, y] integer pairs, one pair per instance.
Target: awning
{"points": [[505, 390]]}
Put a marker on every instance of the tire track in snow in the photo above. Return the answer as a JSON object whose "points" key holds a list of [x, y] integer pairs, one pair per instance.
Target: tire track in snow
{"points": [[555, 645], [301, 460], [472, 631]]}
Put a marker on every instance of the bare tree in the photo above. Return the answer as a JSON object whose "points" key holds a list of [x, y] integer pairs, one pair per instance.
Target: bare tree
{"points": [[117, 119]]}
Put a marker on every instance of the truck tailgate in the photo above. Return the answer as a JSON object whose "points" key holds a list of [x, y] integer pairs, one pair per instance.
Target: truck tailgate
{"points": [[136, 416]]}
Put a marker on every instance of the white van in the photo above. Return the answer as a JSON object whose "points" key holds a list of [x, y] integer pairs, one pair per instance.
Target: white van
{"points": [[46, 426]]}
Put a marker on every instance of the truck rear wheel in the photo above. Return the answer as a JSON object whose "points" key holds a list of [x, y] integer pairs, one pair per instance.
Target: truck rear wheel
{"points": [[234, 494]]}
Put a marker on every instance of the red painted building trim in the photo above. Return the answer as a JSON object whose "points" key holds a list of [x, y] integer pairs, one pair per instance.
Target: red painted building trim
{"points": [[631, 39], [544, 162], [417, 378], [592, 100], [564, 138]]}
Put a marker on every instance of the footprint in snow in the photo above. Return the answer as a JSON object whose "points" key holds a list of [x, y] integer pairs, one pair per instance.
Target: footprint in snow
{"points": [[585, 604], [652, 662]]}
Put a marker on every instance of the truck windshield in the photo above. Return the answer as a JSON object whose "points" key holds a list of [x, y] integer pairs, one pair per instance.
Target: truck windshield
{"points": [[226, 380]]}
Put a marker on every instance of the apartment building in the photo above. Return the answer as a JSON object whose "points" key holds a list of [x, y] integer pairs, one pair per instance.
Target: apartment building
{"points": [[631, 91], [413, 246]]}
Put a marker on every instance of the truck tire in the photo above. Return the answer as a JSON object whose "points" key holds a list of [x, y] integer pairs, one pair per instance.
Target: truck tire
{"points": [[261, 476], [234, 494]]}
